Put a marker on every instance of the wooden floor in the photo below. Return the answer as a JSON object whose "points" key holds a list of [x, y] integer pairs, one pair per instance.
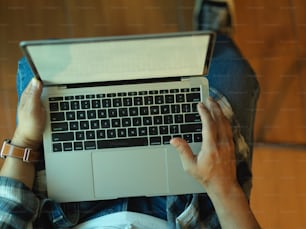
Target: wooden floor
{"points": [[271, 34]]}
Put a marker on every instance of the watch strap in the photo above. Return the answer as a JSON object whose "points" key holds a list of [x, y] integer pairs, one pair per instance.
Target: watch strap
{"points": [[26, 154]]}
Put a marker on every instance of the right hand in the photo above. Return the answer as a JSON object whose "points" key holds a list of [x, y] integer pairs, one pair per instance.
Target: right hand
{"points": [[214, 167]]}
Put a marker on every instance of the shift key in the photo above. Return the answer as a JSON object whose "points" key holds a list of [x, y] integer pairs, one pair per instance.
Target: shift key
{"points": [[61, 137]]}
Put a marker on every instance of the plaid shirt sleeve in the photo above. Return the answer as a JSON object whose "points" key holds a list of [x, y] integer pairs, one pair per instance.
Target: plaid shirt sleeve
{"points": [[18, 204]]}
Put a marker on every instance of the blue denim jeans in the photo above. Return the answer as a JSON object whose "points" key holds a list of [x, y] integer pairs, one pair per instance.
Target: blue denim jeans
{"points": [[231, 75]]}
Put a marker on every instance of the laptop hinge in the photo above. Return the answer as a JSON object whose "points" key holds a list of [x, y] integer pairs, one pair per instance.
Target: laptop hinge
{"points": [[124, 82]]}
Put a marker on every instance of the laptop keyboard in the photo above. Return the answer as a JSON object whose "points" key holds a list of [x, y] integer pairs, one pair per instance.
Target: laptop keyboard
{"points": [[127, 119]]}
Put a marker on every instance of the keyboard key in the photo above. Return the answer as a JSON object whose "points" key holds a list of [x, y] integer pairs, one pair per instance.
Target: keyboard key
{"points": [[61, 137], [96, 103], [81, 115], [153, 130], [64, 106], [180, 98], [197, 138], [70, 115], [94, 124], [136, 121], [74, 105], [57, 117], [193, 97], [159, 99], [79, 97], [91, 114], [116, 122], [144, 111], [123, 112], [175, 109], [178, 118], [121, 133], [126, 122], [57, 147], [111, 95], [174, 129], [186, 108], [138, 101], [80, 135], [100, 134], [91, 96], [129, 142], [53, 106], [67, 146], [89, 145], [164, 130], [85, 104], [117, 102], [132, 132], [168, 119], [133, 111], [157, 120], [155, 141], [59, 126], [112, 113], [56, 98], [84, 125], [148, 100], [166, 140], [111, 133], [127, 102], [165, 109], [105, 123], [169, 98], [78, 145], [154, 110], [191, 128], [147, 121], [194, 117], [74, 125], [102, 113], [106, 103], [69, 97], [188, 138], [142, 131], [90, 134]]}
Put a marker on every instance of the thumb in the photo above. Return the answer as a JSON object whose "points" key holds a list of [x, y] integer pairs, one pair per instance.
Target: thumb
{"points": [[188, 159]]}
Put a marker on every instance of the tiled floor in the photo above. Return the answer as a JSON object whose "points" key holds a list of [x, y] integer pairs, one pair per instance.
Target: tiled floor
{"points": [[272, 36]]}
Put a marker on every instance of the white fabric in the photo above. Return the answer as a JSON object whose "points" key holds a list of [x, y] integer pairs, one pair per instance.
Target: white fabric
{"points": [[124, 220]]}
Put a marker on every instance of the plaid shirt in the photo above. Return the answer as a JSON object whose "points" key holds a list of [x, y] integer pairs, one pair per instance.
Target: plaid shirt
{"points": [[22, 208]]}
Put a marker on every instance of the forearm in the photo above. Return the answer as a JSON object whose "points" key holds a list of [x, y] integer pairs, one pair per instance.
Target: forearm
{"points": [[233, 209]]}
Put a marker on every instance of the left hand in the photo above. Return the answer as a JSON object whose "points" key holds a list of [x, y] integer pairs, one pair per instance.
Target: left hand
{"points": [[31, 117]]}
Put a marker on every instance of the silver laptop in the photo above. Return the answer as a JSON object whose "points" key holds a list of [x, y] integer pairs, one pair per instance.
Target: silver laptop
{"points": [[113, 104]]}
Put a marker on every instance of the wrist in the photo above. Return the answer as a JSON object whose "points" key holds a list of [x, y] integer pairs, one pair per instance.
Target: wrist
{"points": [[22, 141]]}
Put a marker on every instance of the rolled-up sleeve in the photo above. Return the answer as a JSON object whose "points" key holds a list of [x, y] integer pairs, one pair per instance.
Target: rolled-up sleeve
{"points": [[18, 204]]}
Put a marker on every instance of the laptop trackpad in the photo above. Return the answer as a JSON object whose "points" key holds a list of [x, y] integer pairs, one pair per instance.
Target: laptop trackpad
{"points": [[122, 173]]}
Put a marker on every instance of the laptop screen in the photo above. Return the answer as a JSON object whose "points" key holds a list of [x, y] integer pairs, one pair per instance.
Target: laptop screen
{"points": [[70, 61]]}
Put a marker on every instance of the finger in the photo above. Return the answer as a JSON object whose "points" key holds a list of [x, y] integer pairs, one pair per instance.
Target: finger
{"points": [[187, 158], [208, 125], [222, 124]]}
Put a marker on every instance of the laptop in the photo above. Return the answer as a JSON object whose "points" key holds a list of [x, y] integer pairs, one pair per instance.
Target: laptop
{"points": [[113, 104]]}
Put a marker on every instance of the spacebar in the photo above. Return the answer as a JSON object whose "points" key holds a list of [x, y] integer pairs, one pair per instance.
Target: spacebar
{"points": [[115, 143]]}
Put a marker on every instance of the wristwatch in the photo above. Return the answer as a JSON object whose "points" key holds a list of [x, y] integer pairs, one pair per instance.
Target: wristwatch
{"points": [[26, 154]]}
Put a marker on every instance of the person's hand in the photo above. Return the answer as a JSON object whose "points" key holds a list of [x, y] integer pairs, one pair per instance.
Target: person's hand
{"points": [[31, 117], [214, 166]]}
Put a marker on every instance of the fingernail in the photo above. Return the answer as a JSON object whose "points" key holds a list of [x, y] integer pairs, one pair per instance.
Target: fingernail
{"points": [[35, 83]]}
